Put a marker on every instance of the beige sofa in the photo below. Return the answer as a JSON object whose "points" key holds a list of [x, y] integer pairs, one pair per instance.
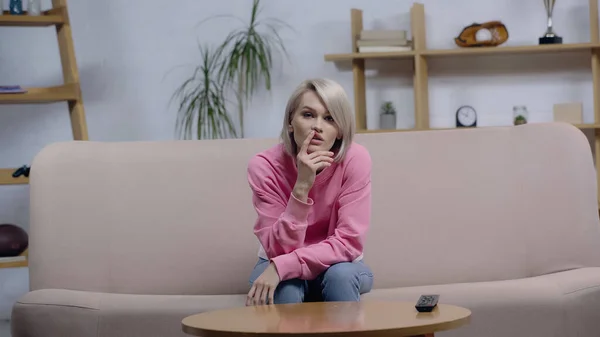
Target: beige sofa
{"points": [[129, 238]]}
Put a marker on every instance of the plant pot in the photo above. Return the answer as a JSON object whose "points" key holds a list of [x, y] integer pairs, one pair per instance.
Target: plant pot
{"points": [[387, 121]]}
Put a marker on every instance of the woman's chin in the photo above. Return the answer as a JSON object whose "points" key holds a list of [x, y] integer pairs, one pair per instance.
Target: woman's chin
{"points": [[315, 148]]}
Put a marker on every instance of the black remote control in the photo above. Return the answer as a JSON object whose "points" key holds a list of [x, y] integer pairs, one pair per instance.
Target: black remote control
{"points": [[427, 303]]}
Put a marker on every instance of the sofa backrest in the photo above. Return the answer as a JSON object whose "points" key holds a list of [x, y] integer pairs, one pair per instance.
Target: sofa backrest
{"points": [[175, 217]]}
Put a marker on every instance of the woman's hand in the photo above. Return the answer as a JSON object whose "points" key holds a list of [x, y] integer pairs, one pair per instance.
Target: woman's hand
{"points": [[308, 166], [263, 288]]}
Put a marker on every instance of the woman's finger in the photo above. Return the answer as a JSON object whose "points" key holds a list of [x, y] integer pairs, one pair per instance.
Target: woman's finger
{"points": [[323, 165], [321, 159], [304, 147], [319, 153], [271, 295], [259, 294], [264, 296], [251, 293]]}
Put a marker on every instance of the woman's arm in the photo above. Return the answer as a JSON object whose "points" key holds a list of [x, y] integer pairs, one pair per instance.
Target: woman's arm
{"points": [[346, 244], [282, 219]]}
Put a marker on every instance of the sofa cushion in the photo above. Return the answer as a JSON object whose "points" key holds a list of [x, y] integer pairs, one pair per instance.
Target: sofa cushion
{"points": [[559, 304]]}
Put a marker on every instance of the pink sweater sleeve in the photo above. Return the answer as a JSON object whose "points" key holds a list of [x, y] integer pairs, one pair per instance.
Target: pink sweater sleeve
{"points": [[346, 243], [282, 219]]}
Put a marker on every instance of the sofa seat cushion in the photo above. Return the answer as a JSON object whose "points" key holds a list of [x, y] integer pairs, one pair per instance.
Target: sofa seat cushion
{"points": [[558, 304]]}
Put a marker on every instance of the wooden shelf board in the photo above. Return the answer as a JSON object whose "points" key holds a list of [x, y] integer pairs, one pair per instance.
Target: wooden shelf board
{"points": [[48, 18], [16, 264], [366, 56], [580, 126], [587, 126], [67, 92], [532, 49], [6, 177]]}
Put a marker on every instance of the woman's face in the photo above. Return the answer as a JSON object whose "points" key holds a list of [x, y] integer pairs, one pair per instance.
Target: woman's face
{"points": [[312, 115]]}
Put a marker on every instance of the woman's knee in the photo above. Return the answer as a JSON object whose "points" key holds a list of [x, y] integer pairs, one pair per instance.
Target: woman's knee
{"points": [[290, 291], [346, 281]]}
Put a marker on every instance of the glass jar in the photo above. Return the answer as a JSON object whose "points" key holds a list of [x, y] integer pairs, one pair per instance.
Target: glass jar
{"points": [[520, 115]]}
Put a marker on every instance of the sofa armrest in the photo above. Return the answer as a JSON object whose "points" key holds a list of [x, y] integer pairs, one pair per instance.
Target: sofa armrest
{"points": [[59, 313], [56, 313], [581, 298], [576, 282]]}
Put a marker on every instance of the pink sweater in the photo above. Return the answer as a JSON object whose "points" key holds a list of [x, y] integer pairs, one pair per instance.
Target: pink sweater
{"points": [[304, 239]]}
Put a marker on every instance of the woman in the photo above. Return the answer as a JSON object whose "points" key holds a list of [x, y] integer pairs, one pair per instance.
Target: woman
{"points": [[312, 194]]}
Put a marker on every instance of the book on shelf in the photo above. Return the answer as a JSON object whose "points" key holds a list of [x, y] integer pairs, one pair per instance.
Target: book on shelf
{"points": [[381, 41], [382, 34], [383, 49], [12, 89]]}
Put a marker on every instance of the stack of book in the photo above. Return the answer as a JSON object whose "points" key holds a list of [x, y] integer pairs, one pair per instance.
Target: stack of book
{"points": [[380, 41]]}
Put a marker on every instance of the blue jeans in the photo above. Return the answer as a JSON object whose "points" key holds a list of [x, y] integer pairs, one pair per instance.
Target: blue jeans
{"points": [[344, 281]]}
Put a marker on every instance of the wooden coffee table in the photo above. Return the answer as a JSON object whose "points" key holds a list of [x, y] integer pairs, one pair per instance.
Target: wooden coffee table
{"points": [[352, 319]]}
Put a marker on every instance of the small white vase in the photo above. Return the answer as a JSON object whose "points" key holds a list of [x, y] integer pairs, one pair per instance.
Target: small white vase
{"points": [[34, 7], [387, 121]]}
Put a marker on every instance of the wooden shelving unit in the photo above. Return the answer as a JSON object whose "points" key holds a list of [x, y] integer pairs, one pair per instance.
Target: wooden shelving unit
{"points": [[537, 49], [420, 55], [49, 18], [69, 91], [6, 177]]}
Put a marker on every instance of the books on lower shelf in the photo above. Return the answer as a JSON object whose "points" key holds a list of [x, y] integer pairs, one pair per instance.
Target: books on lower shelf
{"points": [[381, 40], [383, 49], [12, 89]]}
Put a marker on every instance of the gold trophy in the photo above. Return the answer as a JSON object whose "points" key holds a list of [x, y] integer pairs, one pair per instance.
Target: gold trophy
{"points": [[550, 37]]}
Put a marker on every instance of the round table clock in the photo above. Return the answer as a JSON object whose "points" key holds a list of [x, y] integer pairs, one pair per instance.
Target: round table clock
{"points": [[466, 117]]}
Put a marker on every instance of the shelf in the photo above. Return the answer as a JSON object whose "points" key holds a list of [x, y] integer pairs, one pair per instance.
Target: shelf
{"points": [[6, 178], [15, 264], [587, 126], [366, 56], [67, 92], [533, 49], [48, 18], [579, 126]]}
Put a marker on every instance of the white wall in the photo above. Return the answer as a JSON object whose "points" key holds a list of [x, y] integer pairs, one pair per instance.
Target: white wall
{"points": [[130, 53]]}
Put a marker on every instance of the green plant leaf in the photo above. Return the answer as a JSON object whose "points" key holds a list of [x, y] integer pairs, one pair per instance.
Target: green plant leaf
{"points": [[237, 66], [202, 102], [387, 108], [248, 58]]}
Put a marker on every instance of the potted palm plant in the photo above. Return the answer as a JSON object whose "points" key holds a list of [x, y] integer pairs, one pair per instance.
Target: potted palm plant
{"points": [[236, 69]]}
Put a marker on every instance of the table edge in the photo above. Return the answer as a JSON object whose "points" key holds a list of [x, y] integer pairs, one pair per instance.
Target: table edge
{"points": [[387, 332]]}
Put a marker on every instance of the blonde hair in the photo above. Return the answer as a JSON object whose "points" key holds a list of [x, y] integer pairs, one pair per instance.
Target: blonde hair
{"points": [[336, 101]]}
